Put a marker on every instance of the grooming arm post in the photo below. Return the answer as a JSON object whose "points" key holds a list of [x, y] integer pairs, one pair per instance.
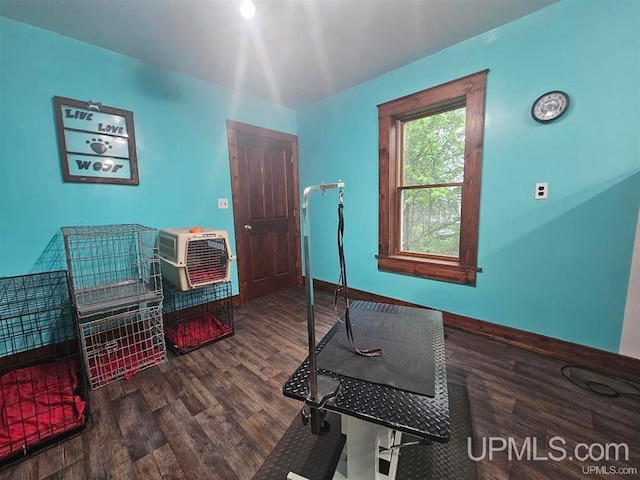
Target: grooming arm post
{"points": [[329, 386]]}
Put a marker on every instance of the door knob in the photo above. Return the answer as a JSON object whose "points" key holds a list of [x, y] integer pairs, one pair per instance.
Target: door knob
{"points": [[248, 227]]}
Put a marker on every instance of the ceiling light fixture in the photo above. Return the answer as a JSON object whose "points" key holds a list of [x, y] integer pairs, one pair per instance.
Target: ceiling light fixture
{"points": [[247, 9]]}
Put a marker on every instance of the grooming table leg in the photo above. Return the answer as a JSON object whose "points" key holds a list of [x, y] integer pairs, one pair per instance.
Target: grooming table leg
{"points": [[362, 450], [387, 462], [295, 476]]}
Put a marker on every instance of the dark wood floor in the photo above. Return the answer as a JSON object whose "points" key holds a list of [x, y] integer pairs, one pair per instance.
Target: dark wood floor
{"points": [[217, 412]]}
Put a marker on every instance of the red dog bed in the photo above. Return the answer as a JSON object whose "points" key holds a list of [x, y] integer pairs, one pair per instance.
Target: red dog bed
{"points": [[37, 403], [123, 359], [196, 331]]}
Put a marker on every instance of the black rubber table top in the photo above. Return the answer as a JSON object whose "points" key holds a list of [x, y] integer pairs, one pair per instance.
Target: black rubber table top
{"points": [[418, 415], [407, 360]]}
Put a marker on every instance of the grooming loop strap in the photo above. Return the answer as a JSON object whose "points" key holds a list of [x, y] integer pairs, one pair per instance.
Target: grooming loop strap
{"points": [[342, 282]]}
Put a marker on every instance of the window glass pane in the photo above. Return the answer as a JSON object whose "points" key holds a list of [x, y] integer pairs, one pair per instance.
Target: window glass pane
{"points": [[434, 148], [431, 220]]}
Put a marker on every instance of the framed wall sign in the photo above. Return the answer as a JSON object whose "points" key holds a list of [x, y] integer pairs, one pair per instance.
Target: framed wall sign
{"points": [[97, 143]]}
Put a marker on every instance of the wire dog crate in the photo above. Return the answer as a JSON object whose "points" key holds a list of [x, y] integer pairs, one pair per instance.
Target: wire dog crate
{"points": [[195, 257], [111, 266], [197, 317], [43, 394], [120, 345]]}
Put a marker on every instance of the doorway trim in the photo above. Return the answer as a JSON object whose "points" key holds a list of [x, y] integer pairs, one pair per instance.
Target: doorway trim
{"points": [[233, 128]]}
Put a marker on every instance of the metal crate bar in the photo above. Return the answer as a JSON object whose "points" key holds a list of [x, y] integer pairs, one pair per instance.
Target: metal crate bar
{"points": [[119, 346], [35, 310], [198, 317], [43, 393], [111, 266]]}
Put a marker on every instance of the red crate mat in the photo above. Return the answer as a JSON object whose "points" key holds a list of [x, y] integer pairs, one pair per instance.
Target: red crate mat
{"points": [[37, 403], [200, 275], [123, 358], [196, 331]]}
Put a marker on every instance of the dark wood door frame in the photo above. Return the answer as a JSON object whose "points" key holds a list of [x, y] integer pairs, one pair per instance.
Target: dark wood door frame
{"points": [[232, 130]]}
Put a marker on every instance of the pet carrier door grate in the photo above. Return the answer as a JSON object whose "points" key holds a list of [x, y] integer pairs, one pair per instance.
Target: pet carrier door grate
{"points": [[196, 257]]}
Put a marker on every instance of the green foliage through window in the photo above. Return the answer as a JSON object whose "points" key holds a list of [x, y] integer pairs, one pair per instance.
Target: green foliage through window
{"points": [[433, 166]]}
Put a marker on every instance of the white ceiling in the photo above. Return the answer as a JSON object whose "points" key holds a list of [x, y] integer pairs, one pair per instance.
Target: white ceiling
{"points": [[293, 52]]}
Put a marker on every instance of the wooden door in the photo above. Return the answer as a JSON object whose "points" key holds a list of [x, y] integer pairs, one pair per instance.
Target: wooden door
{"points": [[264, 172]]}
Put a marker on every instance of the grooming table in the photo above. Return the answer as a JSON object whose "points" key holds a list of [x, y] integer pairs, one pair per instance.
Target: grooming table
{"points": [[366, 406], [316, 458]]}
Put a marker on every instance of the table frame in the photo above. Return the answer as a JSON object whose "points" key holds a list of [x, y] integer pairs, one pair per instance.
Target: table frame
{"points": [[419, 415]]}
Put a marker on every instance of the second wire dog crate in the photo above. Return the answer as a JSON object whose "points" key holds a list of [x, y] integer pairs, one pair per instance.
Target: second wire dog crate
{"points": [[112, 266], [120, 345], [116, 289], [197, 317]]}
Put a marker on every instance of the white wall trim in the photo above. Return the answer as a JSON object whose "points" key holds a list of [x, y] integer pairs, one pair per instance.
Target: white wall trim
{"points": [[630, 339]]}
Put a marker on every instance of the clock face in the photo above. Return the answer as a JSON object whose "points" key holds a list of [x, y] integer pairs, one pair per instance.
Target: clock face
{"points": [[550, 106]]}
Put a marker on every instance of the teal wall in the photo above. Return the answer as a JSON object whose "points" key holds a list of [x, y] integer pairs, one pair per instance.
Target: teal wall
{"points": [[557, 267], [180, 125]]}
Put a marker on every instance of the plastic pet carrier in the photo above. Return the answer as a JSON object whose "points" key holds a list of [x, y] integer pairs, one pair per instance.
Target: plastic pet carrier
{"points": [[194, 257]]}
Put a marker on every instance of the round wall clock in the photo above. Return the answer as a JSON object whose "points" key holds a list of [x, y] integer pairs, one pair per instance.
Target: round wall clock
{"points": [[550, 106]]}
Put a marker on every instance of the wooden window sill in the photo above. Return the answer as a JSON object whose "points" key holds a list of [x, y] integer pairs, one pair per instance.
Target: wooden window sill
{"points": [[447, 271]]}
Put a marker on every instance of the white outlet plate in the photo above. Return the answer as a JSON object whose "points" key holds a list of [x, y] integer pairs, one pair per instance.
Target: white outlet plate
{"points": [[223, 203], [542, 189]]}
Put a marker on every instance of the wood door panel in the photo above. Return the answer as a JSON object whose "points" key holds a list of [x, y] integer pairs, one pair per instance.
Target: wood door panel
{"points": [[279, 196], [259, 263], [269, 182], [253, 166], [282, 264]]}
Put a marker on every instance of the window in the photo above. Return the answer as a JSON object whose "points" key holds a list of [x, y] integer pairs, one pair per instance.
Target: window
{"points": [[430, 170]]}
